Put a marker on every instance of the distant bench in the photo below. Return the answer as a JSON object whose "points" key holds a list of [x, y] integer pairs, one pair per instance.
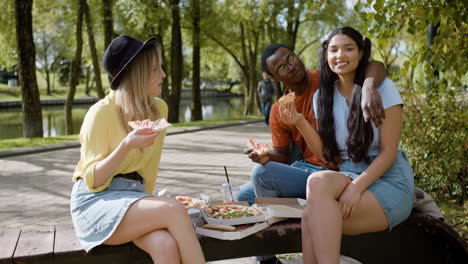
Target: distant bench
{"points": [[420, 239]]}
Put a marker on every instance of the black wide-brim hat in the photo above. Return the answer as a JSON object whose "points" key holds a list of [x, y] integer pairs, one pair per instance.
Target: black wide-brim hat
{"points": [[120, 54]]}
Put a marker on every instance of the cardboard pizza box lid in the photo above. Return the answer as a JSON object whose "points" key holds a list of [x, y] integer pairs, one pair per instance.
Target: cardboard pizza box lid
{"points": [[282, 207], [234, 235]]}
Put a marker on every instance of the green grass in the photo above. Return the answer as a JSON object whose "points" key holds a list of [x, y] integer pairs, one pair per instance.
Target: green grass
{"points": [[6, 144], [60, 91], [12, 143]]}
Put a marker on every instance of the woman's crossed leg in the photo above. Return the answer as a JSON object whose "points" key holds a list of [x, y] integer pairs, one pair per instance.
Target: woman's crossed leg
{"points": [[323, 223], [162, 228]]}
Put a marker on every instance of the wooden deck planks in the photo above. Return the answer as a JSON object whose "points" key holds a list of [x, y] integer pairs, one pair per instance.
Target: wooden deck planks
{"points": [[420, 239], [66, 244], [35, 245], [9, 240]]}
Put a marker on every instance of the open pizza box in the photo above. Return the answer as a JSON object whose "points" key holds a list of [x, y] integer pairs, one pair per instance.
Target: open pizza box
{"points": [[229, 235], [271, 210], [281, 207]]}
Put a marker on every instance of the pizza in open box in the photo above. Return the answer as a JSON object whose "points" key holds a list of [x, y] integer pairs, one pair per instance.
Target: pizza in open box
{"points": [[230, 211]]}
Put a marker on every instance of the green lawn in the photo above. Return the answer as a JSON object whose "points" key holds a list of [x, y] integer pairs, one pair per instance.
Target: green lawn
{"points": [[11, 143], [60, 91]]}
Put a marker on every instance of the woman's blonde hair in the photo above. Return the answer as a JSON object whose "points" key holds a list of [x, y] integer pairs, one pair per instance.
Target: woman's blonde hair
{"points": [[132, 94]]}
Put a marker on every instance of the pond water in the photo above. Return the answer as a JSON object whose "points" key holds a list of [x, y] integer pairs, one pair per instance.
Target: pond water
{"points": [[53, 117]]}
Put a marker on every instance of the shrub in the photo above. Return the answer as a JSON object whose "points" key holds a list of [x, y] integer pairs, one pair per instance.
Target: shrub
{"points": [[435, 137]]}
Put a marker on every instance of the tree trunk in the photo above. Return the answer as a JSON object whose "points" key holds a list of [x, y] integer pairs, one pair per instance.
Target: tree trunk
{"points": [[165, 86], [94, 55], [108, 23], [75, 68], [293, 22], [47, 74], [251, 101], [176, 64], [32, 114], [249, 53], [53, 79], [196, 93], [87, 80]]}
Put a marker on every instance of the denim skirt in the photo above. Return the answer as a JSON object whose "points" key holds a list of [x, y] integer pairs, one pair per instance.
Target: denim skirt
{"points": [[96, 215], [394, 190]]}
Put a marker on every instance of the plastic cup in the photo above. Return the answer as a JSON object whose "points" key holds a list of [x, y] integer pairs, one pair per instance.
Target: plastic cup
{"points": [[227, 198]]}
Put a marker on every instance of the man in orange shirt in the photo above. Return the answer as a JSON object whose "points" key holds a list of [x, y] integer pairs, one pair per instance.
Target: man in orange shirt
{"points": [[273, 176]]}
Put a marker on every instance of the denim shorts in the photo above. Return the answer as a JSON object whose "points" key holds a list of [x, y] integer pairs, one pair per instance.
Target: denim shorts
{"points": [[394, 190], [96, 215]]}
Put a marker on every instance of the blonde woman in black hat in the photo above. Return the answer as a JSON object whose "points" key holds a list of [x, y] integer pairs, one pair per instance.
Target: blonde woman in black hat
{"points": [[111, 201]]}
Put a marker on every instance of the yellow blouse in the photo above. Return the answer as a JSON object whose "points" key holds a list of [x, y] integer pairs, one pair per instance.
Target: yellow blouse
{"points": [[101, 133]]}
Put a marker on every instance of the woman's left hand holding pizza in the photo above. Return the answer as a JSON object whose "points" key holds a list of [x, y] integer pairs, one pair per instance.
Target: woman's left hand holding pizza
{"points": [[289, 115], [140, 138]]}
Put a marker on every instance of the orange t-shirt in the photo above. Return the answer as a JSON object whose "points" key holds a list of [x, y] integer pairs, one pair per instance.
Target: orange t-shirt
{"points": [[282, 134]]}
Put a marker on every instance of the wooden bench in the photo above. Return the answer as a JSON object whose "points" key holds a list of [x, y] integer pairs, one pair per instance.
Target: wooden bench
{"points": [[420, 239]]}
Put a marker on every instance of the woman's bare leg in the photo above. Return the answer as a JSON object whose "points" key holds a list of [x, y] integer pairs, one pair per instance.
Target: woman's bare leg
{"points": [[326, 221], [307, 244], [150, 214], [161, 246], [324, 213]]}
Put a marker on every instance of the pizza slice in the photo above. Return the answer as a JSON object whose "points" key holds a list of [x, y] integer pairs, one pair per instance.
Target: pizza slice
{"points": [[285, 99], [156, 126], [190, 202], [260, 149]]}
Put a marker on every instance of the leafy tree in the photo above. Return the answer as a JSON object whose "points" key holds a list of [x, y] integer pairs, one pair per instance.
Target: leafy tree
{"points": [[196, 93], [8, 54], [47, 34], [94, 55], [107, 21], [448, 50], [242, 21], [434, 131], [32, 114], [75, 67], [145, 19], [177, 63], [46, 57]]}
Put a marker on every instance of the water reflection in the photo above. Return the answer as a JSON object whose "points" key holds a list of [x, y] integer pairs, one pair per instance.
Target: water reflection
{"points": [[53, 117], [214, 108]]}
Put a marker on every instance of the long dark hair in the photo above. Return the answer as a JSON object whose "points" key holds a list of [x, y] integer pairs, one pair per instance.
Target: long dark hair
{"points": [[360, 133]]}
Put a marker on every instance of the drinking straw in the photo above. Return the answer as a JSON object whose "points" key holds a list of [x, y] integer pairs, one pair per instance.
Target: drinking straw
{"points": [[229, 184]]}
